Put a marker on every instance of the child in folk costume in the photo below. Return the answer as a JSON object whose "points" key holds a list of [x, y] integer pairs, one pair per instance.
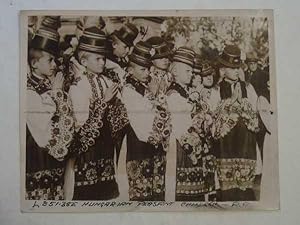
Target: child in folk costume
{"points": [[93, 145], [115, 69], [49, 121], [187, 125], [121, 44], [148, 27], [207, 97], [148, 136], [204, 82], [160, 55], [236, 123]]}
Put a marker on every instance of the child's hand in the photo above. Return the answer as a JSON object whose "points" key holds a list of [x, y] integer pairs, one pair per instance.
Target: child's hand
{"points": [[58, 81], [110, 92], [76, 68], [153, 86]]}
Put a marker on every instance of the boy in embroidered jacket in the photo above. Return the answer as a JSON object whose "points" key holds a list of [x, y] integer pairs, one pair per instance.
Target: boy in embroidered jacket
{"points": [[207, 97], [115, 69], [235, 124], [93, 144], [49, 121], [160, 54], [187, 125], [120, 45], [148, 136]]}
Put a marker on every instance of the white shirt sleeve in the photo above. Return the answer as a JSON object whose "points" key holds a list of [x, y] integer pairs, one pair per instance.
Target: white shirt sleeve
{"points": [[40, 110], [80, 97], [140, 113], [180, 114], [252, 96]]}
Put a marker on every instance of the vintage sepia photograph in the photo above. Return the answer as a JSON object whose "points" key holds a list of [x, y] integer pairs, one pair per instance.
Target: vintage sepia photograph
{"points": [[148, 110]]}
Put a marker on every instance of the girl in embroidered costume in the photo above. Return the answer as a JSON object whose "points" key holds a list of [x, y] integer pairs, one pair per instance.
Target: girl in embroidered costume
{"points": [[148, 136], [93, 145], [49, 122], [160, 54], [235, 125], [188, 122]]}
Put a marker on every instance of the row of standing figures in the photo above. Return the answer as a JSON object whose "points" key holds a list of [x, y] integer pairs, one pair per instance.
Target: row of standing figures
{"points": [[161, 117]]}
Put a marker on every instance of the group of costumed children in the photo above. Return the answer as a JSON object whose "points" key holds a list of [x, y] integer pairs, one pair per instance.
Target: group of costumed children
{"points": [[187, 135]]}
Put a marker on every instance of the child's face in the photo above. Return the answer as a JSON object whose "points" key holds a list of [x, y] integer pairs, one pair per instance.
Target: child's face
{"points": [[140, 73], [120, 49], [94, 63], [183, 73], [231, 73], [45, 66], [252, 66], [162, 63], [208, 81], [197, 80]]}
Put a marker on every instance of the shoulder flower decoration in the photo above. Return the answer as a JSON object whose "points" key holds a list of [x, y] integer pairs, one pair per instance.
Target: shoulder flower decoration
{"points": [[152, 52]]}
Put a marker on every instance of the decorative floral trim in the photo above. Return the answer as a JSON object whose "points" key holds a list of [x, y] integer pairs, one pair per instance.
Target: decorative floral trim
{"points": [[39, 85], [62, 126], [62, 122], [93, 172], [249, 116], [90, 130], [45, 185], [117, 116], [227, 115], [161, 129], [236, 173], [196, 142], [194, 181], [112, 75], [146, 177]]}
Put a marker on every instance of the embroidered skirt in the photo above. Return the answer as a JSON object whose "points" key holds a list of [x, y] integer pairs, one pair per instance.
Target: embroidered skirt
{"points": [[194, 181], [146, 166], [95, 170], [237, 164], [44, 174]]}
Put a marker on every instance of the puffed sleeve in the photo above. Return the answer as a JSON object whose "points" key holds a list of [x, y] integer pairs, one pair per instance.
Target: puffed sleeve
{"points": [[50, 121], [252, 96], [80, 97], [140, 113], [180, 111], [39, 114]]}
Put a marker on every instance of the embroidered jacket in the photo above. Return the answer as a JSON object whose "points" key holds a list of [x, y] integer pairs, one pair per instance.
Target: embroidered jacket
{"points": [[235, 127], [143, 106], [92, 144], [195, 165], [50, 128]]}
